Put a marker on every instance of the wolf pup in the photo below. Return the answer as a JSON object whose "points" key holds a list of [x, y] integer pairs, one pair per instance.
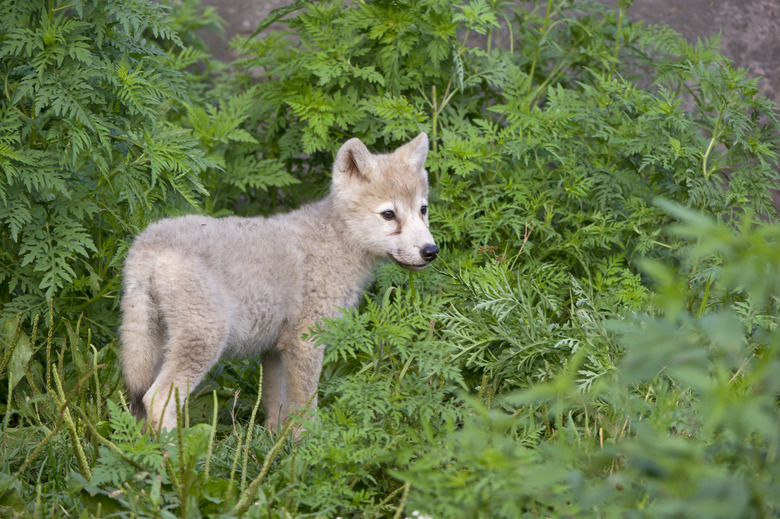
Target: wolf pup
{"points": [[196, 288]]}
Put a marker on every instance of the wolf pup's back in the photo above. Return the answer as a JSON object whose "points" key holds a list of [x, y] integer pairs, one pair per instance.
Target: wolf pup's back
{"points": [[196, 288]]}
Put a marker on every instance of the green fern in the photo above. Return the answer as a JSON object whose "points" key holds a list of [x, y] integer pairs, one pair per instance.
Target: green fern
{"points": [[85, 143]]}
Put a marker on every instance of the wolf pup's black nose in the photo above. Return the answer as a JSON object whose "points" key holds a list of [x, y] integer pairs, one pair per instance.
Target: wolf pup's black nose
{"points": [[429, 252]]}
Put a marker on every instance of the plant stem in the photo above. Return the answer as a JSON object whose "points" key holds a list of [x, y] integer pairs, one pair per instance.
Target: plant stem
{"points": [[715, 136], [211, 437], [106, 442], [539, 45], [621, 14], [245, 500], [35, 453], [402, 504], [250, 429], [62, 401], [233, 467]]}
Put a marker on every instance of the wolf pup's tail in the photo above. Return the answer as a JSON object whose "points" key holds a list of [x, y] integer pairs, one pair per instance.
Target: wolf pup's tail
{"points": [[140, 338]]}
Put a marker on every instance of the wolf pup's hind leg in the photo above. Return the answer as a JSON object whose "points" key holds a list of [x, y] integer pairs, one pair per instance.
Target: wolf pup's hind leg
{"points": [[197, 323]]}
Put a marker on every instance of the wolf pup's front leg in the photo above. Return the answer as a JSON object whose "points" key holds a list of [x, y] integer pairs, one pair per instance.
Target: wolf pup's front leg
{"points": [[294, 374]]}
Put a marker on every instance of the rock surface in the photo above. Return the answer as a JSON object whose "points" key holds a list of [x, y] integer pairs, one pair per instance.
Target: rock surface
{"points": [[750, 30]]}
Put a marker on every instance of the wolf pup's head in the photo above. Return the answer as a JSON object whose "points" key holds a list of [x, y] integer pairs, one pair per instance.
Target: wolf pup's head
{"points": [[383, 201]]}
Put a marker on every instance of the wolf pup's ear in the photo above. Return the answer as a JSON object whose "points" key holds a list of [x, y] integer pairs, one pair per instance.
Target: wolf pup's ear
{"points": [[354, 161], [416, 151]]}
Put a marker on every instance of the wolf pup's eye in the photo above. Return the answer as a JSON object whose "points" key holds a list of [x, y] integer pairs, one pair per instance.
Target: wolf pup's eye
{"points": [[388, 215], [424, 210]]}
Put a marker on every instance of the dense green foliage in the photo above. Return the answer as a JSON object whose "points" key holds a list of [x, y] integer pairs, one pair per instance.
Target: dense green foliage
{"points": [[86, 149], [598, 338]]}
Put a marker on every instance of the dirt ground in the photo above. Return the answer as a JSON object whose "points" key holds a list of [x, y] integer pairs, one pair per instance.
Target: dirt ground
{"points": [[750, 29]]}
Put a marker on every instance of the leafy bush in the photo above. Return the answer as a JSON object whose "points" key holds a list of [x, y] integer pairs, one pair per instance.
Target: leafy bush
{"points": [[546, 159], [574, 352], [95, 143], [86, 150], [685, 427]]}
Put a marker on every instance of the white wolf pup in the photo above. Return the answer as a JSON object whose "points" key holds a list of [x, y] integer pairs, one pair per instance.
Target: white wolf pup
{"points": [[196, 287]]}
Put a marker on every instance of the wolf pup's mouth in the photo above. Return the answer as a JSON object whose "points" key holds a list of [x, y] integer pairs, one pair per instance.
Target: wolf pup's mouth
{"points": [[407, 266]]}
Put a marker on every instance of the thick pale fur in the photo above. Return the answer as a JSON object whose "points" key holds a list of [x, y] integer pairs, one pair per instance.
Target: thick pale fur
{"points": [[196, 288]]}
